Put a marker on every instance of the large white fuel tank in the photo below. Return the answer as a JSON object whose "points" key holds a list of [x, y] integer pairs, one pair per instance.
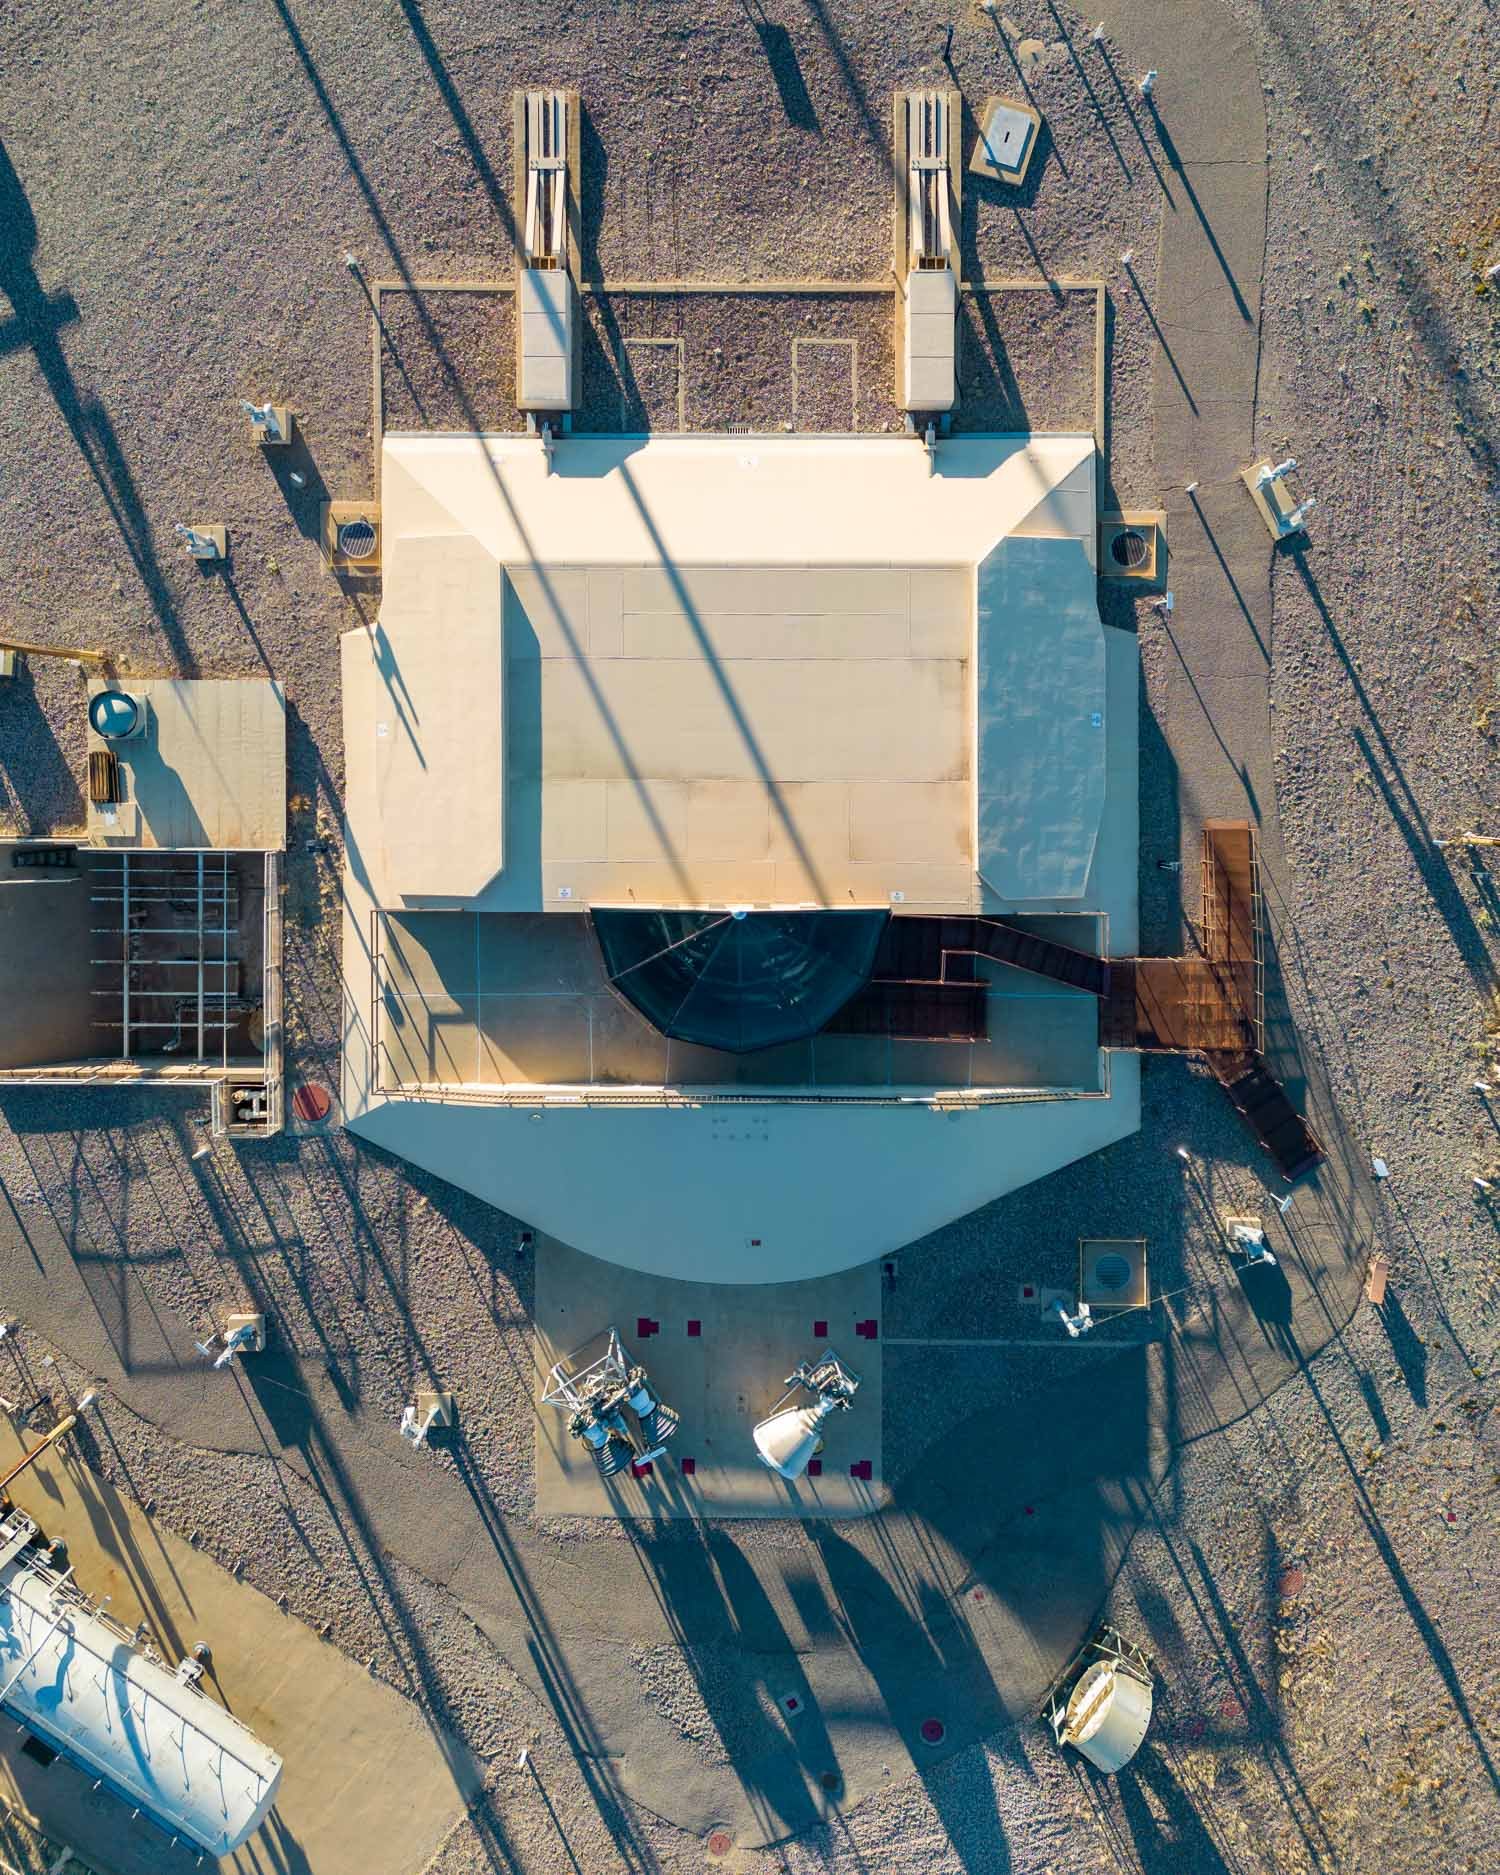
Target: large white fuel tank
{"points": [[78, 1682]]}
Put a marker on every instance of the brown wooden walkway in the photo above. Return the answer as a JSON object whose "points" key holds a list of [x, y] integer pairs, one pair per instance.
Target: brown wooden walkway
{"points": [[1213, 1003]]}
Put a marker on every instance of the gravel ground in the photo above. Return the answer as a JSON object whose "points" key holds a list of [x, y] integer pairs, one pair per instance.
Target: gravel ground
{"points": [[177, 189], [716, 361]]}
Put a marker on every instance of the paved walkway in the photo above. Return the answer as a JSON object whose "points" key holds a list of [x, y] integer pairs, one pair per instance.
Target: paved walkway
{"points": [[963, 1599]]}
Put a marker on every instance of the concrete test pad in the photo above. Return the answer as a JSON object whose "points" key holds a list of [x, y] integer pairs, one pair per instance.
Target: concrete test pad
{"points": [[721, 1376]]}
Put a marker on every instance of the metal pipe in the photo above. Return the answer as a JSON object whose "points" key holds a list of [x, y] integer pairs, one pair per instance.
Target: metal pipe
{"points": [[62, 1427], [74, 654], [62, 1616]]}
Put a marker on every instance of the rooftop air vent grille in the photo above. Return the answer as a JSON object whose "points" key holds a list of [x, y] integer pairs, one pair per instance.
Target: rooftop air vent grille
{"points": [[351, 538], [357, 540]]}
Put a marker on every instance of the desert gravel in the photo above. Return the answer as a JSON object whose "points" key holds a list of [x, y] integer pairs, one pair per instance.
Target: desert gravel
{"points": [[1318, 1581]]}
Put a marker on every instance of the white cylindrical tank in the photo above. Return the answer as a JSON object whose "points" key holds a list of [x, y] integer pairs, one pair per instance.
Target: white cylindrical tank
{"points": [[76, 1681], [1107, 1715]]}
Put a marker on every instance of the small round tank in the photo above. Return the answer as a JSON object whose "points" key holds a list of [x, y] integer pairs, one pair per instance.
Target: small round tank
{"points": [[116, 715], [1107, 1715]]}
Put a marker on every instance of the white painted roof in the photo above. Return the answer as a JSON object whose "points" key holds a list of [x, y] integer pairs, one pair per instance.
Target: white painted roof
{"points": [[712, 671], [671, 613], [752, 1193], [436, 727], [725, 500]]}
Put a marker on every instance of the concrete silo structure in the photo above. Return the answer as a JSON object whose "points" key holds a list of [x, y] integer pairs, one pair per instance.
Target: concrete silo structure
{"points": [[84, 1688]]}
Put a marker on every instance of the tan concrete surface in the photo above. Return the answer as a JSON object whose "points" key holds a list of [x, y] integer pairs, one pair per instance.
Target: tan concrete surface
{"points": [[438, 655], [722, 1380], [210, 771], [368, 1785]]}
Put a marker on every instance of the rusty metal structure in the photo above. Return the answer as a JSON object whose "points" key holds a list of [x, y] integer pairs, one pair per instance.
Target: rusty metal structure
{"points": [[1212, 1003]]}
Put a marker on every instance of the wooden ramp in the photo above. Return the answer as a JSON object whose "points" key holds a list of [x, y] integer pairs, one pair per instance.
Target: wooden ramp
{"points": [[1261, 1101], [1213, 1004], [926, 987], [918, 949], [1232, 918]]}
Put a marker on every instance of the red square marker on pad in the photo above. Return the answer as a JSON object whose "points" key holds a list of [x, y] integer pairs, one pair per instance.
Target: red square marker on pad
{"points": [[645, 1328], [862, 1468], [695, 1327], [687, 1466], [820, 1331]]}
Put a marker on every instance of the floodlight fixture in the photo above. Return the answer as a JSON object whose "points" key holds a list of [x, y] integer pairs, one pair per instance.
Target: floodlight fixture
{"points": [[230, 1347], [1078, 1324], [1248, 1237], [265, 420], [203, 542], [243, 1333]]}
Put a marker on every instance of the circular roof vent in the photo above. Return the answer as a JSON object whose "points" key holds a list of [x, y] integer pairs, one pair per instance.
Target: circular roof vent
{"points": [[357, 539], [116, 715], [1129, 548], [1112, 1272]]}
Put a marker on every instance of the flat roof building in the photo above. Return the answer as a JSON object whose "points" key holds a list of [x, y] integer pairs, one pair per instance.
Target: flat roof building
{"points": [[688, 769]]}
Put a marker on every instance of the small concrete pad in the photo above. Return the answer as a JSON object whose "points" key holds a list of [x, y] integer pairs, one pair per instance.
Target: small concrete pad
{"points": [[719, 1354], [363, 1767], [209, 771], [1008, 131]]}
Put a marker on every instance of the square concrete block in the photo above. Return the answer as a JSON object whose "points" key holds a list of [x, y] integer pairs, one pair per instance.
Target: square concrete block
{"points": [[1112, 1272], [1007, 140], [931, 290], [545, 383], [930, 335], [929, 383], [247, 1318], [443, 1402], [547, 290], [542, 335]]}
